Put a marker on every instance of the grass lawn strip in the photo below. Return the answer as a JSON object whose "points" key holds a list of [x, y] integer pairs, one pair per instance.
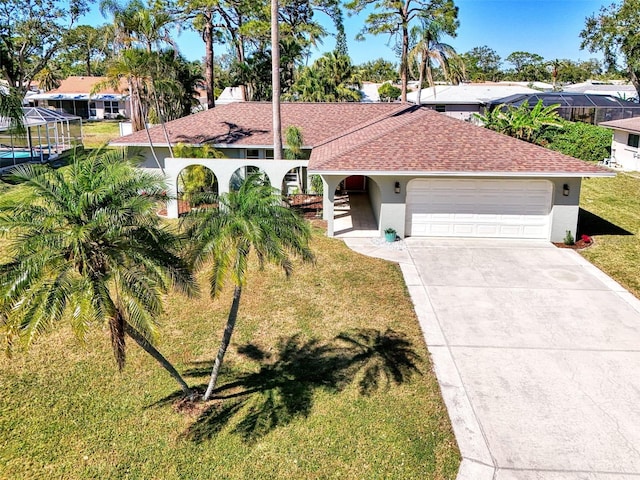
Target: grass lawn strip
{"points": [[616, 200], [66, 413]]}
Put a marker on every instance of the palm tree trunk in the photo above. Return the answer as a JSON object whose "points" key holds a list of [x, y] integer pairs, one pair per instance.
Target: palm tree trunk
{"points": [[137, 95], [226, 338], [275, 81], [420, 80], [404, 62], [209, 68], [151, 350]]}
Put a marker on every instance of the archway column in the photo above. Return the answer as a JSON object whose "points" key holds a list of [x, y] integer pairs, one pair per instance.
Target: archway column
{"points": [[329, 185]]}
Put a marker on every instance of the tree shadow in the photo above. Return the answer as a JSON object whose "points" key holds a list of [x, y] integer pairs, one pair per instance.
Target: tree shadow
{"points": [[591, 224], [255, 403], [234, 134]]}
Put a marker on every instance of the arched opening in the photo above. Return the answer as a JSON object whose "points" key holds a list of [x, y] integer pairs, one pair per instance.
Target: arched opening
{"points": [[241, 174], [295, 182], [303, 192], [197, 186], [356, 207]]}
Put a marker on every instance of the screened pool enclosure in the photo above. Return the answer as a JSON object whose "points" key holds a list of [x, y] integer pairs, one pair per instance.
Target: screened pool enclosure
{"points": [[48, 136], [577, 107]]}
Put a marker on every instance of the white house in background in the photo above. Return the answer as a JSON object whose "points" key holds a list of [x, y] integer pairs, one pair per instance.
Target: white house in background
{"points": [[74, 96], [619, 89], [424, 174], [541, 86], [369, 92], [462, 101], [625, 153], [230, 95]]}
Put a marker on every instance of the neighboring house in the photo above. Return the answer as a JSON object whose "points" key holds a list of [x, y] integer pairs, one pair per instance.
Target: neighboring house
{"points": [[624, 145], [230, 95], [462, 101], [369, 92], [618, 89], [577, 107], [425, 174], [74, 97]]}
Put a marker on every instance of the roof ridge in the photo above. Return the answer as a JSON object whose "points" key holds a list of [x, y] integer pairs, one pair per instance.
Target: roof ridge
{"points": [[368, 123], [422, 111]]}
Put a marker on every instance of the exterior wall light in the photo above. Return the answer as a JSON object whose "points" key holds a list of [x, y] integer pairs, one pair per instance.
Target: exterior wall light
{"points": [[397, 187], [565, 190]]}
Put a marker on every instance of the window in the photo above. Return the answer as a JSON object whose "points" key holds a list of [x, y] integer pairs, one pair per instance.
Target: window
{"points": [[253, 153], [633, 140], [268, 153], [440, 108], [92, 109], [111, 107]]}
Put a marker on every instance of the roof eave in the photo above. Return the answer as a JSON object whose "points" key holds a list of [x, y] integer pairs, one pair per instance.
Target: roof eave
{"points": [[450, 173]]}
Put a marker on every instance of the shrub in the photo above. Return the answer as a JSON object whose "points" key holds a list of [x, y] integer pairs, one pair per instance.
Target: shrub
{"points": [[579, 140], [388, 93], [568, 238]]}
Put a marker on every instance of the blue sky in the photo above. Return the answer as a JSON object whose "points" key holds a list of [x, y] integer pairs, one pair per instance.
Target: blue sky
{"points": [[549, 28]]}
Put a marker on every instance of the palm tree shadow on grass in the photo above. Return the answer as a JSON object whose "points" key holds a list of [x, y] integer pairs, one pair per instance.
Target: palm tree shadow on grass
{"points": [[255, 403]]}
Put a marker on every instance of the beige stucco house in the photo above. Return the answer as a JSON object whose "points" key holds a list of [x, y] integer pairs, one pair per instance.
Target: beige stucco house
{"points": [[424, 173]]}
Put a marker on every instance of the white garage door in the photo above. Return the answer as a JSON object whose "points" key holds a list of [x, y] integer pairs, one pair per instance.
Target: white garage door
{"points": [[479, 208]]}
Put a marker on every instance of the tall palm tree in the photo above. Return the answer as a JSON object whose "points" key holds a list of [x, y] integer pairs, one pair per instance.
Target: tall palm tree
{"points": [[88, 248], [275, 81], [429, 47], [252, 217]]}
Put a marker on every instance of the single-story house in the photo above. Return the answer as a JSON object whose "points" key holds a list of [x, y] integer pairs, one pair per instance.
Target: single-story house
{"points": [[425, 174], [619, 89], [74, 96], [462, 101], [625, 153]]}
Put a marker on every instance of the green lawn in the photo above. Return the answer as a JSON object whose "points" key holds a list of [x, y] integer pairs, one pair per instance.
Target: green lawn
{"points": [[298, 404], [97, 133], [616, 250]]}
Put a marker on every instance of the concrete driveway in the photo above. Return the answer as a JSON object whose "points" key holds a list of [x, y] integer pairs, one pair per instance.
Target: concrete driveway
{"points": [[537, 353]]}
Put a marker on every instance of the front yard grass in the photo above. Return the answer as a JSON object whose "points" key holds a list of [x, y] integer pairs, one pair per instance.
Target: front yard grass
{"points": [[65, 411], [616, 200]]}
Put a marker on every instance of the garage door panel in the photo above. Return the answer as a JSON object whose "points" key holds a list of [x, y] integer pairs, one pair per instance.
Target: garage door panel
{"points": [[479, 208]]}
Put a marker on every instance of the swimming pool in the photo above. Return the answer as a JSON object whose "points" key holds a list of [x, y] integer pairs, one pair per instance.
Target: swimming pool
{"points": [[16, 154]]}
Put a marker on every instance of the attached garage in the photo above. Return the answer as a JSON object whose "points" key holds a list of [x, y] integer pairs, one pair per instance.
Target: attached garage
{"points": [[498, 208]]}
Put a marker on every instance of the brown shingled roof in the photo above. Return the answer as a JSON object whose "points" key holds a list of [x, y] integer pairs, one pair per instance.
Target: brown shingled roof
{"points": [[422, 140], [250, 123], [378, 137]]}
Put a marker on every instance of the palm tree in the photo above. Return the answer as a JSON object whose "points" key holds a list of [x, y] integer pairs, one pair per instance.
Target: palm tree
{"points": [[428, 47], [555, 65], [252, 217], [87, 248]]}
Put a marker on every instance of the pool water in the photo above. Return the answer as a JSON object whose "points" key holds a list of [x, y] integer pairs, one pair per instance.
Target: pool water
{"points": [[17, 154]]}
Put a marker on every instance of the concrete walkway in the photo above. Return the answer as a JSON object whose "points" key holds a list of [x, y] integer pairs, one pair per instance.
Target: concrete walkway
{"points": [[537, 353]]}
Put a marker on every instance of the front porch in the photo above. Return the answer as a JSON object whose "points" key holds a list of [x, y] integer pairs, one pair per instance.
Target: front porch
{"points": [[353, 217]]}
